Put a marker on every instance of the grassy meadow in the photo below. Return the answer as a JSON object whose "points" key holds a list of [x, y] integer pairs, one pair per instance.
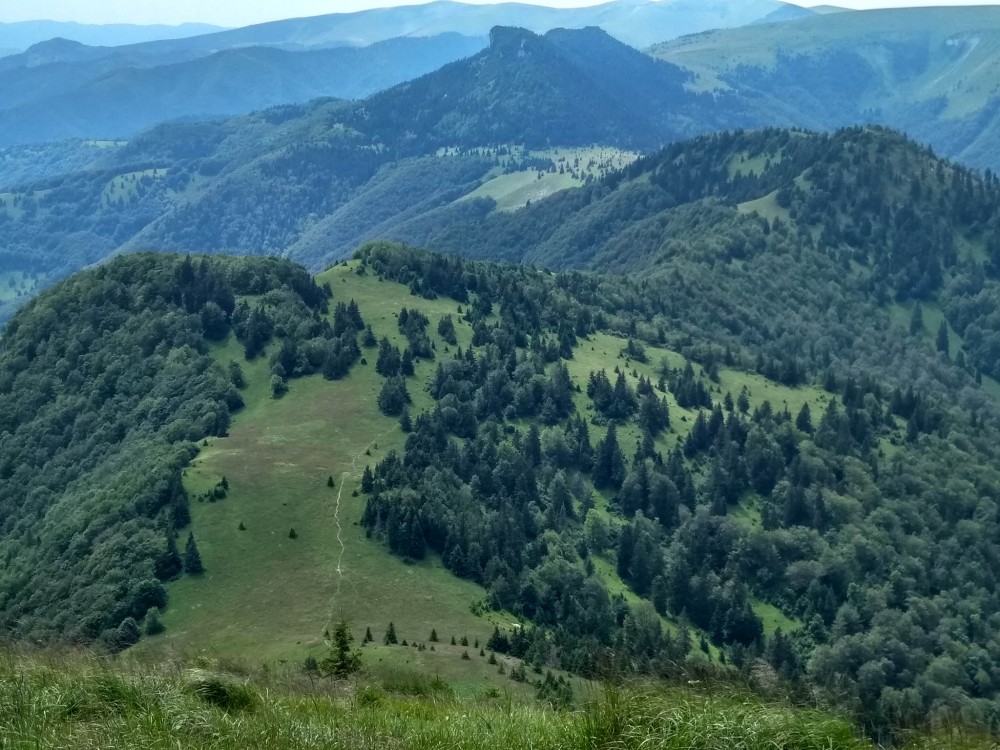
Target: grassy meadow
{"points": [[70, 700]]}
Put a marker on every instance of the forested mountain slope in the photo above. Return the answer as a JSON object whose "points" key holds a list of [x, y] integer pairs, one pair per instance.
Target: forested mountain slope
{"points": [[106, 384], [861, 221], [586, 453], [259, 183]]}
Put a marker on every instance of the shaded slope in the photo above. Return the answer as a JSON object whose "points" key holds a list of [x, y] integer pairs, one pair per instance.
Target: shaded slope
{"points": [[106, 385]]}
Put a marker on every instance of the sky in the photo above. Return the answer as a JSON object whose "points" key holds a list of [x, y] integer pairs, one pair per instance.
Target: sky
{"points": [[244, 12]]}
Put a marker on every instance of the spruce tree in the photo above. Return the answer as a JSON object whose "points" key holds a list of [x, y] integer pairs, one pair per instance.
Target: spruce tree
{"points": [[406, 363], [169, 564], [609, 461], [917, 320], [942, 338], [743, 400], [342, 660], [804, 420], [192, 558], [390, 635]]}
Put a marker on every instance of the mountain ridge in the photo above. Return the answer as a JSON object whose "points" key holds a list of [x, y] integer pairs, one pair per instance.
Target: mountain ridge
{"points": [[928, 71]]}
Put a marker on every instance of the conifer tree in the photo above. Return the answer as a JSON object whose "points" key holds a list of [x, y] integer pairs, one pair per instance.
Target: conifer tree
{"points": [[169, 564], [406, 363], [804, 419], [609, 461], [917, 320], [342, 660], [192, 558], [942, 338], [389, 638]]}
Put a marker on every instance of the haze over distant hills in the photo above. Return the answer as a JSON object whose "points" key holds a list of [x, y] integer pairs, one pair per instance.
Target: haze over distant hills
{"points": [[258, 183], [18, 36], [639, 23], [64, 89]]}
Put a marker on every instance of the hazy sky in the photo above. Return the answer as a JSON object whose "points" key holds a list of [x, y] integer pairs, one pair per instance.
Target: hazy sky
{"points": [[243, 12]]}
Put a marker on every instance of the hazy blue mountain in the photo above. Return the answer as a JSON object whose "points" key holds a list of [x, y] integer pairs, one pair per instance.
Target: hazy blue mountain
{"points": [[105, 99], [61, 88], [20, 35], [639, 23], [260, 183]]}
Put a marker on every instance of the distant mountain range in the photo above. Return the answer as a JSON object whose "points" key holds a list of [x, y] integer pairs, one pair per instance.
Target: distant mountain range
{"points": [[62, 88], [638, 23], [329, 174], [17, 37]]}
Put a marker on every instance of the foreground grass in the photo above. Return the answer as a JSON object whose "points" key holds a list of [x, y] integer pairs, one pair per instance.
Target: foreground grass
{"points": [[80, 702]]}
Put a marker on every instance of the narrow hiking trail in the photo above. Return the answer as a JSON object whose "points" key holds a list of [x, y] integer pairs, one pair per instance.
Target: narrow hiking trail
{"points": [[344, 476]]}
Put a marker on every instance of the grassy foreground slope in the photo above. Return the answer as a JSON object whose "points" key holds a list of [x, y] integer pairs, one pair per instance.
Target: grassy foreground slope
{"points": [[70, 701]]}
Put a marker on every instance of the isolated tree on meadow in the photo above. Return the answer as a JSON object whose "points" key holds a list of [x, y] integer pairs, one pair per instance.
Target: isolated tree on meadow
{"points": [[192, 558], [342, 659], [390, 635]]}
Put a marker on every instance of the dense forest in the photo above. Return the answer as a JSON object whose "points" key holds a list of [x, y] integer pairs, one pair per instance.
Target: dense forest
{"points": [[855, 271], [888, 571], [105, 388], [853, 222], [522, 479]]}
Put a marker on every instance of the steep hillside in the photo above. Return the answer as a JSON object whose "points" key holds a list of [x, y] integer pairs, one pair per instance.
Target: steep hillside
{"points": [[566, 88], [61, 89], [106, 383], [932, 72]]}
